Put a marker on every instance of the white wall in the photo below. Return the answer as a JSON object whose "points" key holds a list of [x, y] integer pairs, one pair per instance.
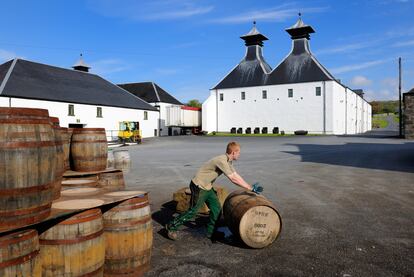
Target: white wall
{"points": [[336, 111], [208, 113], [86, 114]]}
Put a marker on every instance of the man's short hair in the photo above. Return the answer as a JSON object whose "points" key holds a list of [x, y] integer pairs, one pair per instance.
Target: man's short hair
{"points": [[232, 146]]}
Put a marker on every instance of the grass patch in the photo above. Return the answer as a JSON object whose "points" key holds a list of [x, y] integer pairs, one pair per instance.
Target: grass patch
{"points": [[379, 121], [396, 118], [223, 134]]}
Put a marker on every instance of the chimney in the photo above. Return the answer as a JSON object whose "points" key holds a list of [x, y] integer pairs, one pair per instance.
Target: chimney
{"points": [[81, 65]]}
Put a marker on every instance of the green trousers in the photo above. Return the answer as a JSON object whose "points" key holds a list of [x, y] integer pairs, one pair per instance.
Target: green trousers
{"points": [[198, 198]]}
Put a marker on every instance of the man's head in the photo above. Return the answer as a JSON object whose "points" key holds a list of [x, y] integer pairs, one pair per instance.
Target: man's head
{"points": [[233, 150]]}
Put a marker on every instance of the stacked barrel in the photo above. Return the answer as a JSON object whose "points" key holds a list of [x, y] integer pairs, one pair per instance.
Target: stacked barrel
{"points": [[34, 154]]}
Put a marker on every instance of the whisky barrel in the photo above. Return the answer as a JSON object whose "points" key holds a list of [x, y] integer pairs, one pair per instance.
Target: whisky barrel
{"points": [[74, 247], [89, 149], [110, 162], [128, 238], [27, 166], [19, 254], [66, 137], [79, 182], [111, 180], [183, 199], [122, 160], [60, 159], [54, 121], [252, 218]]}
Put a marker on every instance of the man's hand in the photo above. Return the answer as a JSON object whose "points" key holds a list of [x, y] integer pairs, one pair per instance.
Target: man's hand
{"points": [[257, 188]]}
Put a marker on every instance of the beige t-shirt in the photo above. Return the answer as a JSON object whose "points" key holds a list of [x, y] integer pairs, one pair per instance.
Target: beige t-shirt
{"points": [[209, 171]]}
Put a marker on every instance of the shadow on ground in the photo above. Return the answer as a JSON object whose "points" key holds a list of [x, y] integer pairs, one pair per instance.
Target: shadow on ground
{"points": [[195, 228], [394, 157]]}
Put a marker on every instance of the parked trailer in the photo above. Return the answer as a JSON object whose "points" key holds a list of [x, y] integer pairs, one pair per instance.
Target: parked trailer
{"points": [[187, 118]]}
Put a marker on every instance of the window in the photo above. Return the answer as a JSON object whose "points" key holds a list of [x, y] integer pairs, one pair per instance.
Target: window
{"points": [[98, 111], [145, 115], [264, 94], [71, 110], [243, 95], [221, 96], [318, 91], [290, 92]]}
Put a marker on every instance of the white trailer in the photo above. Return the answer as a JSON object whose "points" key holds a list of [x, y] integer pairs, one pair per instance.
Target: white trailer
{"points": [[187, 118]]}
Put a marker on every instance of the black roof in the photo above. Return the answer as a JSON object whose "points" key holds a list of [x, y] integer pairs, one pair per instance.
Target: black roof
{"points": [[252, 70], [150, 92], [33, 80], [298, 67], [410, 92]]}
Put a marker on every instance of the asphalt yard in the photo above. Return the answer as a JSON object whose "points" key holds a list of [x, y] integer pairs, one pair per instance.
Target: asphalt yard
{"points": [[346, 202]]}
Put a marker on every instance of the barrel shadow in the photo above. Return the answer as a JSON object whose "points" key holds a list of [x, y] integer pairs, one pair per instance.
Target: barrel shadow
{"points": [[195, 227]]}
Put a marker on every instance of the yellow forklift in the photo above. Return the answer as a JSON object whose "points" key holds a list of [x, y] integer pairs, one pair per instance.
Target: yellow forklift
{"points": [[129, 132]]}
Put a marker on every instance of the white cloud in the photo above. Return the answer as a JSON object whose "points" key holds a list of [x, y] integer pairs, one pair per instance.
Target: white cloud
{"points": [[151, 10], [361, 81], [344, 48], [380, 94], [6, 55], [107, 66], [404, 43], [277, 14], [358, 66], [390, 82]]}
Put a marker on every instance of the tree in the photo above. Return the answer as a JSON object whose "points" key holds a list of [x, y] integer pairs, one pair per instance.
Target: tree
{"points": [[194, 103]]}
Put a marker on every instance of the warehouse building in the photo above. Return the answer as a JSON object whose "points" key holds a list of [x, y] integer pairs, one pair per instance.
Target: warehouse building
{"points": [[299, 94], [160, 99], [78, 98]]}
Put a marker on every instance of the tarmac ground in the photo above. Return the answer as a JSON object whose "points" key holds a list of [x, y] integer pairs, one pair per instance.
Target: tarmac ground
{"points": [[346, 202]]}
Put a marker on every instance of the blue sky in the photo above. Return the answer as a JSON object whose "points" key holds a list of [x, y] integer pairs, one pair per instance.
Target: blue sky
{"points": [[188, 46]]}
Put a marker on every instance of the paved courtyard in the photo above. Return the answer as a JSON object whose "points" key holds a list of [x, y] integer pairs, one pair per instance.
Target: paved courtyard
{"points": [[346, 202]]}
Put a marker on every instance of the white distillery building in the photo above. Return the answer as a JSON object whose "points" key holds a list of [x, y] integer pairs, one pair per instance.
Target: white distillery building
{"points": [[78, 98], [160, 99], [299, 94]]}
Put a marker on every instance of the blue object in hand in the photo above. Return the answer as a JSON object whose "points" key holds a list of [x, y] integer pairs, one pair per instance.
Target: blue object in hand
{"points": [[257, 188]]}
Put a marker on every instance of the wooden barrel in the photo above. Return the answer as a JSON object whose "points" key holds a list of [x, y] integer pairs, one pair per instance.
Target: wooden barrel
{"points": [[79, 182], [111, 180], [74, 247], [89, 149], [19, 254], [128, 238], [60, 159], [66, 137], [252, 218], [110, 162], [183, 199], [54, 121], [27, 166], [122, 160]]}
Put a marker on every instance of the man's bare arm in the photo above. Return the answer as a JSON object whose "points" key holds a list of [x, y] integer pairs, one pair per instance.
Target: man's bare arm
{"points": [[238, 180]]}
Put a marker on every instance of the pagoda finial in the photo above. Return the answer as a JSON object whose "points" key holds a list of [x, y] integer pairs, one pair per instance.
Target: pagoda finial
{"points": [[254, 23], [300, 14]]}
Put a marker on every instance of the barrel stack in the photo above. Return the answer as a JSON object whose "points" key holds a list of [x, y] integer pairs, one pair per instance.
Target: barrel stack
{"points": [[93, 240]]}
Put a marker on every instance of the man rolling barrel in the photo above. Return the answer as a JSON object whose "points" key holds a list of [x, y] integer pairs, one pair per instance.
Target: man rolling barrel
{"points": [[202, 190]]}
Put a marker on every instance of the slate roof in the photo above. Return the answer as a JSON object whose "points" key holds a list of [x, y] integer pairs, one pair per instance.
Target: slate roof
{"points": [[298, 67], [252, 70], [150, 92], [31, 80]]}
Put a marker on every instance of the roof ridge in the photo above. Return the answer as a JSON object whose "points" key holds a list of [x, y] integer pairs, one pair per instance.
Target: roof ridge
{"points": [[6, 78], [156, 91]]}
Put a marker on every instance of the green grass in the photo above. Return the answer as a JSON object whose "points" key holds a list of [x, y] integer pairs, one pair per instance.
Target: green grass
{"points": [[223, 134], [396, 118], [379, 121]]}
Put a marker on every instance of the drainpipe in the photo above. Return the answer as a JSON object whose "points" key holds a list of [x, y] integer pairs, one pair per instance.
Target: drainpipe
{"points": [[9, 102], [217, 99], [324, 107], [346, 111]]}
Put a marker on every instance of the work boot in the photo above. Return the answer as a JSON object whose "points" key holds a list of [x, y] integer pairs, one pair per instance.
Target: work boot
{"points": [[216, 236], [171, 234]]}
